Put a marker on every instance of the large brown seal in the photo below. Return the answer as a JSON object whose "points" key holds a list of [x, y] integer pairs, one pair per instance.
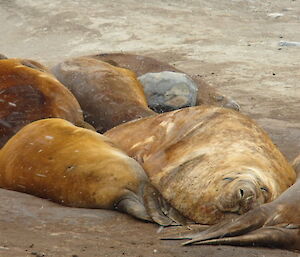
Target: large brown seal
{"points": [[275, 224], [208, 162], [108, 95], [73, 166], [28, 92], [142, 64]]}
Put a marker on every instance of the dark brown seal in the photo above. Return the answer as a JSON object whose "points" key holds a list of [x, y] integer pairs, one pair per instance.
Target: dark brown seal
{"points": [[28, 92], [108, 95], [143, 64], [275, 224], [208, 162], [73, 166]]}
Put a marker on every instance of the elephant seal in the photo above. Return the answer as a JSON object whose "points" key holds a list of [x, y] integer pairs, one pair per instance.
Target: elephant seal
{"points": [[208, 162], [73, 166], [143, 64], [108, 95], [274, 224], [28, 92]]}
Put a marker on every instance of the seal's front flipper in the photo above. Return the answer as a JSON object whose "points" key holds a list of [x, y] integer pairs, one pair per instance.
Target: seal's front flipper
{"points": [[273, 236], [160, 211], [153, 207], [248, 222]]}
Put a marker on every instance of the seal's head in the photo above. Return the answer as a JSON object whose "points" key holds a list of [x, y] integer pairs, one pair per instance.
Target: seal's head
{"points": [[275, 224], [224, 195], [242, 192]]}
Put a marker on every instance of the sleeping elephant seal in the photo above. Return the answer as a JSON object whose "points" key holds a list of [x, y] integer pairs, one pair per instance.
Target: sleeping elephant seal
{"points": [[143, 64], [275, 224], [108, 95], [28, 92], [208, 162], [73, 166]]}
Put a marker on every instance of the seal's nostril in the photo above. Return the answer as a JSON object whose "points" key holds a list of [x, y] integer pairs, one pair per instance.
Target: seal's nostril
{"points": [[241, 193]]}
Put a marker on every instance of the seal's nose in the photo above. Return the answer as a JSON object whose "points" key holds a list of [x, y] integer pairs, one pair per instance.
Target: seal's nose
{"points": [[241, 193], [246, 196]]}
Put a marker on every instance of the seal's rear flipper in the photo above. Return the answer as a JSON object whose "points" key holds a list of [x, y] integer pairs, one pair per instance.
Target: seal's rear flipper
{"points": [[273, 236], [228, 228]]}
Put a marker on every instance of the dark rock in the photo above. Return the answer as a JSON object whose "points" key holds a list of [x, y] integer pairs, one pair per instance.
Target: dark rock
{"points": [[167, 91], [2, 56]]}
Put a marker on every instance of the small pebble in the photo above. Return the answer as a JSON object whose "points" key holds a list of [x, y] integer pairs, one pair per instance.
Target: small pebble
{"points": [[289, 43], [275, 15]]}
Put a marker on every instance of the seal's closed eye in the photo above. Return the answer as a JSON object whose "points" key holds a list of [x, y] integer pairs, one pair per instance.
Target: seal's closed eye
{"points": [[229, 178]]}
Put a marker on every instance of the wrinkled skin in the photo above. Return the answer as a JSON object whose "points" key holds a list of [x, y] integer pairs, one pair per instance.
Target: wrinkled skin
{"points": [[28, 92], [73, 166], [142, 64], [275, 224], [210, 163], [108, 95]]}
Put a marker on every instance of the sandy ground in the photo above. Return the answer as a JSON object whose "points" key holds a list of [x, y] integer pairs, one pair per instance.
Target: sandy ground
{"points": [[233, 45]]}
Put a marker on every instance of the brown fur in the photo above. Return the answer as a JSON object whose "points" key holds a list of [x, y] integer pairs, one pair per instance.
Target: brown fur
{"points": [[73, 166], [207, 162], [107, 94], [29, 93], [142, 64]]}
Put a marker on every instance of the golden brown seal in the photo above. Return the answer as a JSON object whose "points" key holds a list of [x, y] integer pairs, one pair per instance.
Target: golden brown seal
{"points": [[28, 92], [143, 64], [275, 224], [108, 95], [54, 159], [208, 162]]}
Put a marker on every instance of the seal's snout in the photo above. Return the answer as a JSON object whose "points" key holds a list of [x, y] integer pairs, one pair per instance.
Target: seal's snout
{"points": [[238, 197]]}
